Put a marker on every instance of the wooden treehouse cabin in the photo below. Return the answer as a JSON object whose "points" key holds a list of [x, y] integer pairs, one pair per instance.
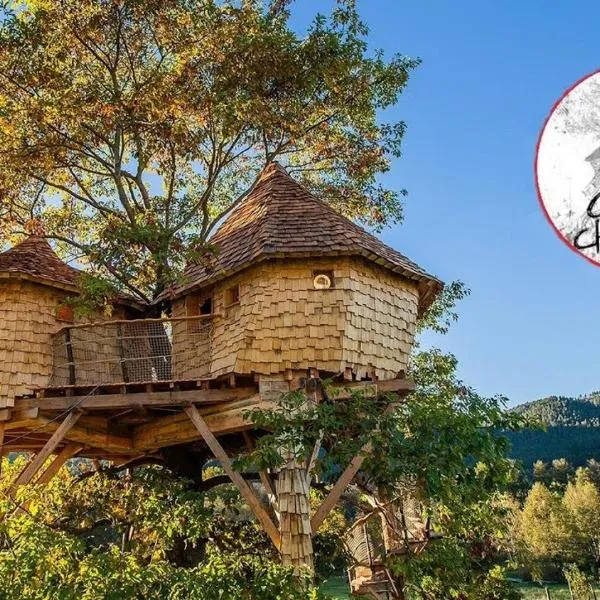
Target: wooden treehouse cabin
{"points": [[293, 291]]}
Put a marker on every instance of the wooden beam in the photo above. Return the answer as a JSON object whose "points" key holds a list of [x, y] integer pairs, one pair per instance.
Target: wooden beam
{"points": [[166, 398], [400, 387], [69, 451], [338, 489], [247, 492], [340, 485], [34, 466], [89, 436], [16, 415], [89, 432], [313, 458], [177, 429]]}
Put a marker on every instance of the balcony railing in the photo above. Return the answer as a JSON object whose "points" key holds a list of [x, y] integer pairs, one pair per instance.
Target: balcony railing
{"points": [[136, 351]]}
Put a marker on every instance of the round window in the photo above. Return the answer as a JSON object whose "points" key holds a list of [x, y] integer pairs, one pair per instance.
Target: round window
{"points": [[322, 282]]}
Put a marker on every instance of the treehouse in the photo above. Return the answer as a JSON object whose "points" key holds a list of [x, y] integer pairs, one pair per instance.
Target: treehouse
{"points": [[35, 286], [294, 293], [293, 286]]}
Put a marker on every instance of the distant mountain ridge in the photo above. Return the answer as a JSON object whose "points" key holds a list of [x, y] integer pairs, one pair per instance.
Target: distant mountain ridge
{"points": [[572, 430], [580, 411]]}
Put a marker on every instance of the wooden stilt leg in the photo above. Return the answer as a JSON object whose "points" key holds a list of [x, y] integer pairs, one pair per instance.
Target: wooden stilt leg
{"points": [[247, 492], [35, 465], [338, 489], [294, 516], [340, 485], [313, 457], [61, 458]]}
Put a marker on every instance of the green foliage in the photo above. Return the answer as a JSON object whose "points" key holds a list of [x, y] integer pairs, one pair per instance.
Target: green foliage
{"points": [[297, 422], [144, 535], [583, 411], [440, 441], [442, 313], [330, 553], [577, 445], [579, 584], [446, 571], [129, 129], [555, 474], [560, 527], [571, 431], [545, 531]]}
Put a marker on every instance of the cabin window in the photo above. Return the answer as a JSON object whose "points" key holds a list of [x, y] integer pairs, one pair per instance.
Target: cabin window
{"points": [[323, 280], [197, 305], [205, 306], [65, 313], [232, 295]]}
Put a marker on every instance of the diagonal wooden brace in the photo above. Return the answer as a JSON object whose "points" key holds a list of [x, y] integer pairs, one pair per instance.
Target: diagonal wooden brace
{"points": [[340, 485], [245, 490], [36, 464], [69, 451]]}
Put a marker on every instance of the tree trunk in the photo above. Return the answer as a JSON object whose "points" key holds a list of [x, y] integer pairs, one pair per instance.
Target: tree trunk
{"points": [[294, 517]]}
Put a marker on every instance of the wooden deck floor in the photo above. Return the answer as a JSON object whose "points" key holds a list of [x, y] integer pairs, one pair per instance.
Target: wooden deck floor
{"points": [[133, 420]]}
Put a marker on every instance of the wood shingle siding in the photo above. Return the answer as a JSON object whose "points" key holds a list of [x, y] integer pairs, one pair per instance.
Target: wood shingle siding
{"points": [[27, 320], [34, 285], [366, 323]]}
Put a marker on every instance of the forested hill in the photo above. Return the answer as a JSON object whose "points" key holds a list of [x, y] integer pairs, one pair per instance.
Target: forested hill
{"points": [[573, 430], [583, 411]]}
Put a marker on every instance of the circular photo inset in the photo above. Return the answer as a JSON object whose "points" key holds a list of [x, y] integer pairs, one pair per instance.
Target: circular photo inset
{"points": [[567, 167]]}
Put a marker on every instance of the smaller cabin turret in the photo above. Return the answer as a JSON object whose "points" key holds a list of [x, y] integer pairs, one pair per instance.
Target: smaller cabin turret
{"points": [[34, 286]]}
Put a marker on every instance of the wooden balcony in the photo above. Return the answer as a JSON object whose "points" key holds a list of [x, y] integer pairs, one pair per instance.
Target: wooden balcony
{"points": [[135, 351]]}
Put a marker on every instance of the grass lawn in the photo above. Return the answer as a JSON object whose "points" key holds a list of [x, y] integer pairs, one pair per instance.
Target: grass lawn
{"points": [[338, 588], [557, 592]]}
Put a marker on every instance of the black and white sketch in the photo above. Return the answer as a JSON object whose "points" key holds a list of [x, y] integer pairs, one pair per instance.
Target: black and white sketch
{"points": [[568, 167]]}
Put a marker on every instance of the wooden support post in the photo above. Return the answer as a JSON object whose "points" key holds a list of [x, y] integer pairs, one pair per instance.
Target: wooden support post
{"points": [[313, 458], [35, 465], [70, 359], [122, 360], [247, 492], [69, 451], [294, 516], [390, 524], [338, 489]]}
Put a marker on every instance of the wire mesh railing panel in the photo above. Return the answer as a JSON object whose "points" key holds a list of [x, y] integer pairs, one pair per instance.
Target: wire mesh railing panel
{"points": [[139, 351], [359, 545]]}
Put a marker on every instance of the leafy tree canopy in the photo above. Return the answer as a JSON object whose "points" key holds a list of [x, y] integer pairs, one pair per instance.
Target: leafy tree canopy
{"points": [[129, 128], [127, 535]]}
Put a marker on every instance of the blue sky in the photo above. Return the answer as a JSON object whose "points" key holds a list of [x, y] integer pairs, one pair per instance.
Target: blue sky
{"points": [[491, 73]]}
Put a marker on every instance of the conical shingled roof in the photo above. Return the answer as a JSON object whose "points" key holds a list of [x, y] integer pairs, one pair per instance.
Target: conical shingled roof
{"points": [[35, 259], [280, 218]]}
